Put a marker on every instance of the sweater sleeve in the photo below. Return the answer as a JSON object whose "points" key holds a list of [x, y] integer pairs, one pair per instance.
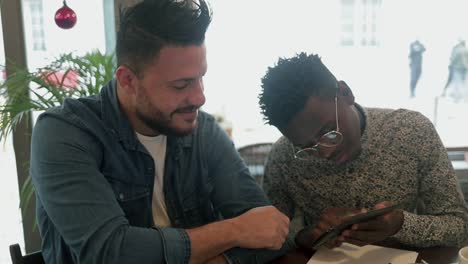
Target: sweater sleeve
{"points": [[444, 215]]}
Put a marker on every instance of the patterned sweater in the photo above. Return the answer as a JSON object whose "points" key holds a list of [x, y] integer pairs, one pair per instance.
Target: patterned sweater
{"points": [[403, 161]]}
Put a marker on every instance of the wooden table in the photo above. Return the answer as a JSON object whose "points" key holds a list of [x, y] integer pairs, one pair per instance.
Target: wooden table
{"points": [[434, 255]]}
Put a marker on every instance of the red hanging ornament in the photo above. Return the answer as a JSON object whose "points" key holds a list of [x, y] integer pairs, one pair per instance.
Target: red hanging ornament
{"points": [[65, 17]]}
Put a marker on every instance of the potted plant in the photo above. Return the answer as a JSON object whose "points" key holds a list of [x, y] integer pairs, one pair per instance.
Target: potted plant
{"points": [[26, 91]]}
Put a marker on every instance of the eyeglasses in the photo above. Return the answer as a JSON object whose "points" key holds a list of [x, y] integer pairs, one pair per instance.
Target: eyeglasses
{"points": [[330, 139]]}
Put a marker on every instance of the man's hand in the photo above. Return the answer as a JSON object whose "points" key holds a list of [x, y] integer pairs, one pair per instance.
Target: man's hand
{"points": [[377, 229], [330, 217], [261, 227]]}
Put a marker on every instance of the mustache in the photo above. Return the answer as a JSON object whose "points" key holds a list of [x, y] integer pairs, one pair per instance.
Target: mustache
{"points": [[188, 109]]}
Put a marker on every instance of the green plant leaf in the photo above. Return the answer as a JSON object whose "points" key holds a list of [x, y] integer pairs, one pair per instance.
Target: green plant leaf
{"points": [[47, 87], [27, 91]]}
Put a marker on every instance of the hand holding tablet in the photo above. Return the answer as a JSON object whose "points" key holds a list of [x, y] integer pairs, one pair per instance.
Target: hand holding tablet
{"points": [[335, 231]]}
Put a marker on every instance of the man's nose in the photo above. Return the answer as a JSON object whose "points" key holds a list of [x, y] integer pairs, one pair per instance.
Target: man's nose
{"points": [[197, 97], [326, 153]]}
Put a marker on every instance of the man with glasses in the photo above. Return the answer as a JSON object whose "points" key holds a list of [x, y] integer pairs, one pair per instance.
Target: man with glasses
{"points": [[337, 158]]}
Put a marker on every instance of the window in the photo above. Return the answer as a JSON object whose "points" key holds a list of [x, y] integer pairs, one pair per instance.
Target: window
{"points": [[37, 24], [360, 22], [347, 22]]}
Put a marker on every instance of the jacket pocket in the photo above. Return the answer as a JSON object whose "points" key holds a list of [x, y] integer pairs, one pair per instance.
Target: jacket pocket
{"points": [[198, 212], [135, 202]]}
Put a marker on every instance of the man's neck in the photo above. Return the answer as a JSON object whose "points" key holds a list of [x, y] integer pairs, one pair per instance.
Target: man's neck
{"points": [[362, 118]]}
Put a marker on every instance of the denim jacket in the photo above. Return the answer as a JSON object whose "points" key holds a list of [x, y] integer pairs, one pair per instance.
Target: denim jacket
{"points": [[94, 183]]}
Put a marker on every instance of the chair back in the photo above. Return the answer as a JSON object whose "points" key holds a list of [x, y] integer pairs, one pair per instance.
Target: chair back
{"points": [[255, 157], [18, 258], [459, 158]]}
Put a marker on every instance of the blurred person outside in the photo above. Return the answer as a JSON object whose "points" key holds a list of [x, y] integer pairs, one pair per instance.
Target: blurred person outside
{"points": [[415, 56], [456, 87]]}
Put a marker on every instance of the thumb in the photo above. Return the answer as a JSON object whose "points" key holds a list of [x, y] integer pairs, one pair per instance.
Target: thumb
{"points": [[382, 204]]}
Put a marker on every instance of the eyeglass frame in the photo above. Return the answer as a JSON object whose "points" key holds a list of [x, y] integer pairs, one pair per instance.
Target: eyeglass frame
{"points": [[315, 148]]}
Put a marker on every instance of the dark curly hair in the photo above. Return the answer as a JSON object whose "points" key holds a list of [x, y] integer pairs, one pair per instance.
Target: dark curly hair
{"points": [[150, 25], [287, 86]]}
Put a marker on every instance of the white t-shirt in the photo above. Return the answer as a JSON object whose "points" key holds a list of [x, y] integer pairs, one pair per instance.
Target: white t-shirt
{"points": [[156, 146]]}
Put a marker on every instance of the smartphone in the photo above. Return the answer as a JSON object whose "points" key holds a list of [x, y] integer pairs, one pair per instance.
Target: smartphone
{"points": [[333, 232]]}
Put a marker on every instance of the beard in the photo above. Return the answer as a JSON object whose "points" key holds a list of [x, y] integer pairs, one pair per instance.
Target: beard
{"points": [[157, 120], [161, 124]]}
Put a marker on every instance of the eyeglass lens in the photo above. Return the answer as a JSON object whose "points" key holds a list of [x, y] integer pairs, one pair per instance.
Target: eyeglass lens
{"points": [[330, 139]]}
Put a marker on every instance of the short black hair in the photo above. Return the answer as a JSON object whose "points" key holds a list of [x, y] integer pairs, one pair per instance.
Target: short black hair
{"points": [[287, 86], [150, 25]]}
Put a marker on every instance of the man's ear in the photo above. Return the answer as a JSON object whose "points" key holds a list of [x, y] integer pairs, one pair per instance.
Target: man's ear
{"points": [[345, 92], [127, 79]]}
